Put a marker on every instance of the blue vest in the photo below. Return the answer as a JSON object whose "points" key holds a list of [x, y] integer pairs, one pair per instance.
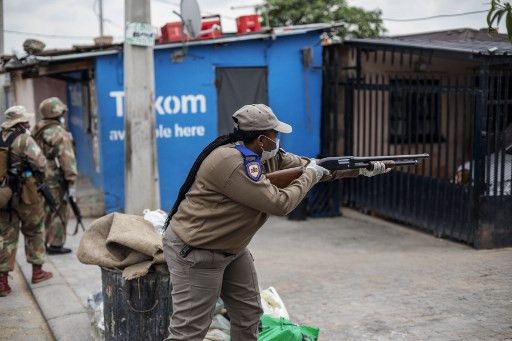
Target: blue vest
{"points": [[252, 162]]}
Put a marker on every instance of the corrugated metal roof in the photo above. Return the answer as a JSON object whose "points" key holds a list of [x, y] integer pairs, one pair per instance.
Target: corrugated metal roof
{"points": [[83, 52], [462, 41], [228, 38]]}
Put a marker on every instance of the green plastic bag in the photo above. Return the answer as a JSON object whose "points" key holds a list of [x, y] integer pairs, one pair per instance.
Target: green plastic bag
{"points": [[284, 330]]}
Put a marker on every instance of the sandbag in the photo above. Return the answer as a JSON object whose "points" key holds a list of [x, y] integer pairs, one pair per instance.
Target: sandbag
{"points": [[122, 241]]}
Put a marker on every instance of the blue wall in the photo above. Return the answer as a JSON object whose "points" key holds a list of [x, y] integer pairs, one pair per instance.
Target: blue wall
{"points": [[78, 127], [181, 85]]}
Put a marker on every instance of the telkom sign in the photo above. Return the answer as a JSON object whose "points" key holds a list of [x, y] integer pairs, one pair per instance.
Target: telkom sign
{"points": [[167, 105]]}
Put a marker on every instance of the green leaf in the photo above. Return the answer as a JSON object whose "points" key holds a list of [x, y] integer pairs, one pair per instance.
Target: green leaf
{"points": [[509, 24], [489, 16], [498, 13], [502, 12]]}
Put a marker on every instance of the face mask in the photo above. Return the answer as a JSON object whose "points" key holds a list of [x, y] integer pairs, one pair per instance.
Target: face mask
{"points": [[267, 155]]}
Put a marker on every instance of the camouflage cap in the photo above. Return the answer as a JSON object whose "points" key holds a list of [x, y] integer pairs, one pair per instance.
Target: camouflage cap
{"points": [[15, 115], [52, 107]]}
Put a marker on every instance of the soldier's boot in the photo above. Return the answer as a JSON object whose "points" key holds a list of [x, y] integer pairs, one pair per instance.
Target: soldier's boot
{"points": [[39, 275], [5, 289], [57, 250]]}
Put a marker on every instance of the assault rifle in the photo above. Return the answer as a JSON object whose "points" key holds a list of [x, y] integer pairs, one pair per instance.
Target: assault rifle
{"points": [[47, 196], [71, 200], [284, 177], [77, 213]]}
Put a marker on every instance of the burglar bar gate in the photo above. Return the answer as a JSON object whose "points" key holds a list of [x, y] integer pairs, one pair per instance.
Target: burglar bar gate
{"points": [[464, 122]]}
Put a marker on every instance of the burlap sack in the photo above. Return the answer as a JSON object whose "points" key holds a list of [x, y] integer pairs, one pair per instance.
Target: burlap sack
{"points": [[122, 241]]}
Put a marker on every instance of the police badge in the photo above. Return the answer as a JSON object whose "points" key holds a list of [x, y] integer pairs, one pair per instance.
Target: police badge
{"points": [[252, 163], [253, 170]]}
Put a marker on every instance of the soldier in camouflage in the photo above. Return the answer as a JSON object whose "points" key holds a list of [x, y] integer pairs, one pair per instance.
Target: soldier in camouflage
{"points": [[61, 174], [25, 210]]}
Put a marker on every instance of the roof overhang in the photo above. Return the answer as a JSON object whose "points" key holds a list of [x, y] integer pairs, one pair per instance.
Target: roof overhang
{"points": [[442, 49], [278, 32]]}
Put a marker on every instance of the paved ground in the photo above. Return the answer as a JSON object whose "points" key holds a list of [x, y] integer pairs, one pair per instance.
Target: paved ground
{"points": [[359, 278], [20, 317], [370, 280]]}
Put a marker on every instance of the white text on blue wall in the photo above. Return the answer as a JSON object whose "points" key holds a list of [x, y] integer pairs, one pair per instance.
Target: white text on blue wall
{"points": [[184, 104]]}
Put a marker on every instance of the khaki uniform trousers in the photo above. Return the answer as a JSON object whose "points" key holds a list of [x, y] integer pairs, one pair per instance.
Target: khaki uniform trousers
{"points": [[197, 282], [30, 220]]}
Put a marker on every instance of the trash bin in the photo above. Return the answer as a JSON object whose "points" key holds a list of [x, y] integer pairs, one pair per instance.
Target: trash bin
{"points": [[138, 309]]}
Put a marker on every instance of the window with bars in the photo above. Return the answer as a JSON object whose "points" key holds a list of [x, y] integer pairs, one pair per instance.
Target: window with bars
{"points": [[414, 111]]}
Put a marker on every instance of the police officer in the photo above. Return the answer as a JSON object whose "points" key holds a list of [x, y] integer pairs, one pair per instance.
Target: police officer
{"points": [[57, 145], [225, 199], [25, 209]]}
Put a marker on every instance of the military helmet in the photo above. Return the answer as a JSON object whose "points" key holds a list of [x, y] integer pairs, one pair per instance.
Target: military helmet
{"points": [[14, 115], [52, 107]]}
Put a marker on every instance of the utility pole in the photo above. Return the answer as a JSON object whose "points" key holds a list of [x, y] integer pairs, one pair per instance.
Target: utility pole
{"points": [[141, 169], [100, 4], [3, 99], [2, 27]]}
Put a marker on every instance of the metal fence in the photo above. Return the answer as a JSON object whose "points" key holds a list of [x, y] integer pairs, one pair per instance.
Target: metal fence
{"points": [[463, 121]]}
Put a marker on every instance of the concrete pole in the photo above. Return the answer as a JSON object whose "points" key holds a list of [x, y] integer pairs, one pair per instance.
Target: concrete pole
{"points": [[2, 26], [141, 170], [3, 99], [100, 4]]}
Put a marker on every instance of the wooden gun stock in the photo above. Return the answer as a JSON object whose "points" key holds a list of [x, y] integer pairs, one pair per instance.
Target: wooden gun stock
{"points": [[282, 178]]}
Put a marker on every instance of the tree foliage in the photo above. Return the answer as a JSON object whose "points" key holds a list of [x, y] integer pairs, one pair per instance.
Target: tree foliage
{"points": [[356, 21], [496, 12]]}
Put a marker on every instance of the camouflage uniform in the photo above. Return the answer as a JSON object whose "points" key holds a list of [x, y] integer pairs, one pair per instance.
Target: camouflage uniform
{"points": [[61, 172], [27, 212]]}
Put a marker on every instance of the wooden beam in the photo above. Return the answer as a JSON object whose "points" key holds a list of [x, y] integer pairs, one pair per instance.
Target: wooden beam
{"points": [[51, 69]]}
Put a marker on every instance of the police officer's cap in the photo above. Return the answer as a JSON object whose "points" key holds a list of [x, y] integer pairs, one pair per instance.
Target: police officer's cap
{"points": [[259, 117]]}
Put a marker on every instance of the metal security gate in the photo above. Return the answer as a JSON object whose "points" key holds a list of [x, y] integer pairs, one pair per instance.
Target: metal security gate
{"points": [[404, 114], [463, 121]]}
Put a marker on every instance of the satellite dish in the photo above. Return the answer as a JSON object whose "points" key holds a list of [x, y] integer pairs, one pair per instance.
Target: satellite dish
{"points": [[191, 17]]}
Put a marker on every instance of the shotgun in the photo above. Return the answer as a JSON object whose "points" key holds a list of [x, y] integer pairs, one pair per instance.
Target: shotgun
{"points": [[284, 177]]}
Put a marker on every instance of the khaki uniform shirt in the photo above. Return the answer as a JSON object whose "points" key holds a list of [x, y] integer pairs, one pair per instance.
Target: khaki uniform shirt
{"points": [[224, 207]]}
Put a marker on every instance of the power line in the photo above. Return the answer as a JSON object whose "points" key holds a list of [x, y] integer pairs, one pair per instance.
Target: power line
{"points": [[175, 4], [169, 3], [435, 16], [54, 36]]}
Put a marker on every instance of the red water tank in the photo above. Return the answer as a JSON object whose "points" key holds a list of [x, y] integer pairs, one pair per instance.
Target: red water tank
{"points": [[172, 31], [212, 24], [248, 24]]}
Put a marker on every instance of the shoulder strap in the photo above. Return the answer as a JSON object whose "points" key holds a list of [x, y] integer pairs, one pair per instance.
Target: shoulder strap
{"points": [[8, 144], [37, 134], [252, 162], [10, 139], [246, 152]]}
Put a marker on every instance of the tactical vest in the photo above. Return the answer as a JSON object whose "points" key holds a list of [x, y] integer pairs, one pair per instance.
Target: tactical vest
{"points": [[45, 146], [5, 165], [5, 153]]}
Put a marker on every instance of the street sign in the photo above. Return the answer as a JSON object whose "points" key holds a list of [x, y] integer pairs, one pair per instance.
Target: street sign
{"points": [[140, 34]]}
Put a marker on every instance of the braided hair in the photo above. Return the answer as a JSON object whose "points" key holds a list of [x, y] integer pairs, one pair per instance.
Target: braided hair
{"points": [[236, 135]]}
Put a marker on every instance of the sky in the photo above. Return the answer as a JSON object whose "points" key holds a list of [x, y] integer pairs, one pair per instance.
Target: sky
{"points": [[77, 18]]}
